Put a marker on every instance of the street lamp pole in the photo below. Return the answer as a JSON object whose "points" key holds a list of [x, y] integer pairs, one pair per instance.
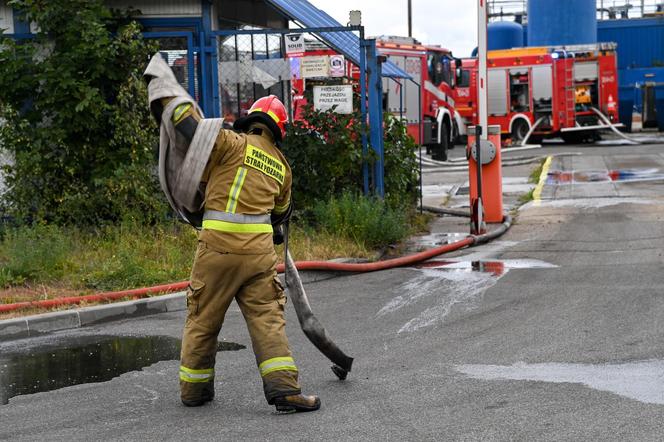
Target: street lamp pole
{"points": [[410, 18]]}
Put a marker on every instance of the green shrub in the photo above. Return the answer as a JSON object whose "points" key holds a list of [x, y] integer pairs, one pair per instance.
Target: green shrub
{"points": [[369, 221], [76, 121], [324, 150]]}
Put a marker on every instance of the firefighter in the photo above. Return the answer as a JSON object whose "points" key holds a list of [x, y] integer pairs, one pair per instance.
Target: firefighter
{"points": [[247, 189]]}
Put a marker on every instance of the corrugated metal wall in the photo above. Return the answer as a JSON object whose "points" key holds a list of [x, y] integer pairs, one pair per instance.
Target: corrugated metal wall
{"points": [[155, 8], [6, 18], [640, 41]]}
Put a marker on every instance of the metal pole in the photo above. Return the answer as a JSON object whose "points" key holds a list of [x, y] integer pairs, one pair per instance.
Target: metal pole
{"points": [[478, 160], [363, 110], [410, 18], [482, 72], [421, 132]]}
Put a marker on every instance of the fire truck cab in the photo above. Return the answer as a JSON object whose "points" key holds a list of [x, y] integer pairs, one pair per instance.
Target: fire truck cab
{"points": [[542, 92], [427, 103]]}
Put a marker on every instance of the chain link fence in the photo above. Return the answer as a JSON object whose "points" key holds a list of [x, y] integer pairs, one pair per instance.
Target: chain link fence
{"points": [[250, 67]]}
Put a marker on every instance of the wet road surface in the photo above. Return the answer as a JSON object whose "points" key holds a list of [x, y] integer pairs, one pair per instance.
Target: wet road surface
{"points": [[552, 332]]}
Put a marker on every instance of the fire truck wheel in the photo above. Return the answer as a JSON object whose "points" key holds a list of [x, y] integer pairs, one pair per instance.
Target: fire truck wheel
{"points": [[439, 151], [519, 131]]}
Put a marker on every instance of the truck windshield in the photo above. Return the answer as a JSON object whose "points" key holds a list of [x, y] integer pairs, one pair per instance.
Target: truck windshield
{"points": [[439, 68]]}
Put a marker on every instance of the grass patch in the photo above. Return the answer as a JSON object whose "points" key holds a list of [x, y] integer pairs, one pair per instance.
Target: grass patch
{"points": [[110, 258], [536, 173], [42, 262], [369, 222]]}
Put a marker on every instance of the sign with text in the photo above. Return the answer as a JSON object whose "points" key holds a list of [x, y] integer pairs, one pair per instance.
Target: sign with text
{"points": [[294, 45], [319, 66], [326, 97], [337, 66]]}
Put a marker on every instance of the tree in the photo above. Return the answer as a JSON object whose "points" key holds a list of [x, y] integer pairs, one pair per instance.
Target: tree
{"points": [[75, 116]]}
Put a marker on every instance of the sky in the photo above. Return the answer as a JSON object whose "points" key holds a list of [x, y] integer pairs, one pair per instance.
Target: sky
{"points": [[449, 23]]}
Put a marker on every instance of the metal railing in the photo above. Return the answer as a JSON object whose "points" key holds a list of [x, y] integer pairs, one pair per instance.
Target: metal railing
{"points": [[606, 9]]}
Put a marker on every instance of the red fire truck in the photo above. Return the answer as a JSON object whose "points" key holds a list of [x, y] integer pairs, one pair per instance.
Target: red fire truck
{"points": [[427, 103], [569, 92]]}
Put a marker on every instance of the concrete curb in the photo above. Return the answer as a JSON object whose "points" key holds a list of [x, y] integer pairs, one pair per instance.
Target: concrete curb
{"points": [[34, 325], [68, 319]]}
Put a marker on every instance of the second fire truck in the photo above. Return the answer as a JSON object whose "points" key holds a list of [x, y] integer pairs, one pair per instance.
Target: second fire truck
{"points": [[427, 103], [569, 92]]}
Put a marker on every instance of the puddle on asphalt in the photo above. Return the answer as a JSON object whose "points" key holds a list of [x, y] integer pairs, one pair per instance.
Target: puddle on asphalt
{"points": [[444, 286], [641, 381], [497, 268], [562, 177], [84, 360]]}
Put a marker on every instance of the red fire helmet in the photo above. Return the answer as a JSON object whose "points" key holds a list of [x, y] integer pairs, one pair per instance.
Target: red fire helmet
{"points": [[269, 111]]}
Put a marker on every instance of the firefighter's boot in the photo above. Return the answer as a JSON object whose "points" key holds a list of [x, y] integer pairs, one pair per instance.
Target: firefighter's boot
{"points": [[296, 403], [206, 394]]}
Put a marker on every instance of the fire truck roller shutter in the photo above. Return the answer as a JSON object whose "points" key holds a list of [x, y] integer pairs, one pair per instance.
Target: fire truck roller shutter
{"points": [[542, 79], [497, 92]]}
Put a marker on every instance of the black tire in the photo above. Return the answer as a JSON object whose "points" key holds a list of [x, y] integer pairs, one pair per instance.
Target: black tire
{"points": [[439, 151], [520, 129]]}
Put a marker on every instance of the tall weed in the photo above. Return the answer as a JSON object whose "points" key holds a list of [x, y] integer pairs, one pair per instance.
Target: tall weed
{"points": [[366, 220]]}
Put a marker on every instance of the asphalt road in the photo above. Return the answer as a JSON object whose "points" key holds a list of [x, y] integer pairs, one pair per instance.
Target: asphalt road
{"points": [[560, 338]]}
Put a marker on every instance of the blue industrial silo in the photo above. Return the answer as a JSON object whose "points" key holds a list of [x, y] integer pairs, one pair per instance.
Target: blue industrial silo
{"points": [[505, 35], [562, 22]]}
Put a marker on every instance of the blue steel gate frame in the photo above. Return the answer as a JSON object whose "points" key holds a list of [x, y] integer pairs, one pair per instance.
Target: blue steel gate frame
{"points": [[371, 96]]}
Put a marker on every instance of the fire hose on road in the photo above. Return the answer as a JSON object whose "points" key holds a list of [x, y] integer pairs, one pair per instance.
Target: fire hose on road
{"points": [[471, 240]]}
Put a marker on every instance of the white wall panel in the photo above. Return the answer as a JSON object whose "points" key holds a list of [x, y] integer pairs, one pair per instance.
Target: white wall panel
{"points": [[160, 8], [6, 18]]}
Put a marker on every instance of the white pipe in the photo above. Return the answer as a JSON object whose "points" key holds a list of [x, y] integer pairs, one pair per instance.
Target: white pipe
{"points": [[530, 132], [612, 127]]}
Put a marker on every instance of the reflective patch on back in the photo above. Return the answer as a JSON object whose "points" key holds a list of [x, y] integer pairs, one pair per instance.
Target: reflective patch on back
{"points": [[264, 162]]}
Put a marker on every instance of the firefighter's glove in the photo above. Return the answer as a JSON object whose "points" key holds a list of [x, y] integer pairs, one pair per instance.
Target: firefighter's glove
{"points": [[276, 219], [278, 235]]}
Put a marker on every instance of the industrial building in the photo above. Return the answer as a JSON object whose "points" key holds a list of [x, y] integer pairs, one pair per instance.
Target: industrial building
{"points": [[637, 27]]}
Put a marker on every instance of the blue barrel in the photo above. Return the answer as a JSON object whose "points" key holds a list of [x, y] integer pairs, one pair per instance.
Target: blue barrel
{"points": [[505, 35], [562, 22]]}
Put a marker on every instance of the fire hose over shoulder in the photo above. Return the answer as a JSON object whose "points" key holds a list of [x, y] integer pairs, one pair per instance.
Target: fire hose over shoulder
{"points": [[182, 156]]}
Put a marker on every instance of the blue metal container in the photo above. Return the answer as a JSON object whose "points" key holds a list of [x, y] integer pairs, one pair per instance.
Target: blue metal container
{"points": [[505, 35], [561, 22], [640, 41]]}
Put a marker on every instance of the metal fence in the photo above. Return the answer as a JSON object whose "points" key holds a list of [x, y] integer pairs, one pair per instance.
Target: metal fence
{"points": [[251, 66], [606, 9]]}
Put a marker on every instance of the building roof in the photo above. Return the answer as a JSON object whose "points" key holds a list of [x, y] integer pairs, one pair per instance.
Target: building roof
{"points": [[346, 42]]}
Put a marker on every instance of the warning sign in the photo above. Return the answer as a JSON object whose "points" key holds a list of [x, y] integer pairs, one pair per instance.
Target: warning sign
{"points": [[294, 45], [315, 66], [327, 97], [337, 66]]}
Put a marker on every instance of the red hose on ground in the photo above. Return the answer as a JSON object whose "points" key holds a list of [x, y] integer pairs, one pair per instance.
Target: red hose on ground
{"points": [[301, 265], [108, 296]]}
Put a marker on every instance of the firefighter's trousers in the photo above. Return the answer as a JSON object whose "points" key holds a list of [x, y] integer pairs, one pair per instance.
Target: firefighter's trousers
{"points": [[216, 279]]}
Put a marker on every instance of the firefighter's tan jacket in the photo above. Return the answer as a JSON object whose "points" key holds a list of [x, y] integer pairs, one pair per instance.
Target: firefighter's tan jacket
{"points": [[246, 175]]}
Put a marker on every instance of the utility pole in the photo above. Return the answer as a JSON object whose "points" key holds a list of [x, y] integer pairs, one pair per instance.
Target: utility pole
{"points": [[410, 18]]}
